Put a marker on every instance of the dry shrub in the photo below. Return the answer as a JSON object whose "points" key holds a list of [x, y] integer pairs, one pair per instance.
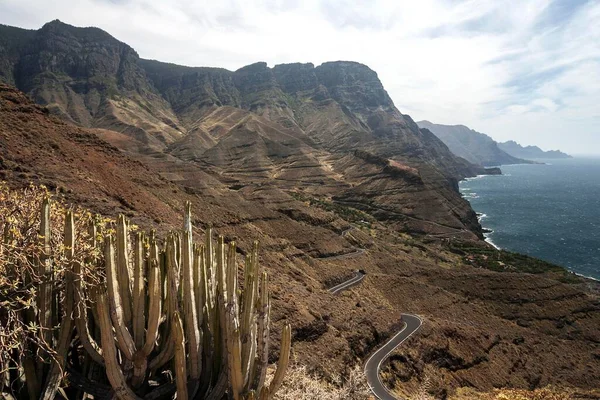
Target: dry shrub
{"points": [[299, 384], [21, 254], [516, 394], [422, 393]]}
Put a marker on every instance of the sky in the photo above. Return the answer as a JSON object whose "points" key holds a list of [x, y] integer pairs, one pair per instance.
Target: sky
{"points": [[526, 70]]}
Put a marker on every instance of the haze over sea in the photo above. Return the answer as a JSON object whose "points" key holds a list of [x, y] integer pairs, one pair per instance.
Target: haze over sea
{"points": [[547, 211]]}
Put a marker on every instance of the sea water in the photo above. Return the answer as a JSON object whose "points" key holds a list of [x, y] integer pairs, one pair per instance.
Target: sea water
{"points": [[550, 211]]}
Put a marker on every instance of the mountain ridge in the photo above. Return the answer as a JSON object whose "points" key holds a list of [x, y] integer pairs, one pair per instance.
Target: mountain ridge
{"points": [[514, 148], [474, 146], [238, 121]]}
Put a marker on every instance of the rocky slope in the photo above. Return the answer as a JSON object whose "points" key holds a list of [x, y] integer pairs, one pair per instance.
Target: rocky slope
{"points": [[87, 77], [516, 150], [483, 329], [295, 155], [293, 125], [341, 106], [471, 145]]}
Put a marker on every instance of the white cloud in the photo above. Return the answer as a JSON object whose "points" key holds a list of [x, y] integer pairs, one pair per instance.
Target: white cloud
{"points": [[524, 70]]}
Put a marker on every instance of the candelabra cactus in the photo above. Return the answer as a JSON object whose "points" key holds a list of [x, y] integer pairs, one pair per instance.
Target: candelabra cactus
{"points": [[143, 311], [213, 340], [130, 317]]}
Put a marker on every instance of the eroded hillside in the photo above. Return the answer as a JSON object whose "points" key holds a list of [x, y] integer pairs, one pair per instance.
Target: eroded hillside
{"points": [[483, 328], [293, 125], [319, 165]]}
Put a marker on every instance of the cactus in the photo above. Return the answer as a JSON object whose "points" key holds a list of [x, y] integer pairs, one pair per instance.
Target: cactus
{"points": [[176, 307], [123, 269], [180, 361], [44, 302], [81, 316], [66, 326], [113, 370]]}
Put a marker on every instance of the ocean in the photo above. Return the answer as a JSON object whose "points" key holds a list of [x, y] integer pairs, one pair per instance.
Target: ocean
{"points": [[549, 211]]}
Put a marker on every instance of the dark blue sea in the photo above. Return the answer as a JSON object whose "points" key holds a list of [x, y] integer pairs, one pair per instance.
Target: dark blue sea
{"points": [[549, 211]]}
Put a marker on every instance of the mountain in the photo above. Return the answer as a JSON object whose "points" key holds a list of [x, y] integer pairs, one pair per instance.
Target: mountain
{"points": [[516, 150], [527, 319], [87, 77], [471, 145], [291, 125], [338, 105], [317, 163]]}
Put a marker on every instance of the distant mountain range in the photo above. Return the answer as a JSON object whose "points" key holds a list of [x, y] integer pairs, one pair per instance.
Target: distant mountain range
{"points": [[515, 149], [479, 148], [471, 145]]}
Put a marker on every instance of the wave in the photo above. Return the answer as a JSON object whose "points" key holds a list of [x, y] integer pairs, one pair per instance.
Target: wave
{"points": [[487, 239], [472, 178], [585, 276]]}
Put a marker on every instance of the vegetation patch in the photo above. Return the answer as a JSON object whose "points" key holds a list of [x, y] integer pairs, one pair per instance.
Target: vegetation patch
{"points": [[482, 256], [346, 213]]}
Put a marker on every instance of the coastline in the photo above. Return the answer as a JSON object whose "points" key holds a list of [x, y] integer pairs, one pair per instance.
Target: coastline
{"points": [[487, 239], [486, 231], [583, 276], [472, 193]]}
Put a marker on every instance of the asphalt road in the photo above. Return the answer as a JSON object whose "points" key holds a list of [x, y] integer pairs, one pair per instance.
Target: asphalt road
{"points": [[411, 324], [348, 284]]}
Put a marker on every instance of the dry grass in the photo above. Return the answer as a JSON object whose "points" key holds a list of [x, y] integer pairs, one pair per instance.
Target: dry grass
{"points": [[549, 393], [301, 385]]}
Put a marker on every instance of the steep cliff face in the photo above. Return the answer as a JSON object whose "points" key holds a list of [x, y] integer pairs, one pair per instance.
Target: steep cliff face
{"points": [[88, 77], [340, 105], [189, 89], [291, 125], [12, 41]]}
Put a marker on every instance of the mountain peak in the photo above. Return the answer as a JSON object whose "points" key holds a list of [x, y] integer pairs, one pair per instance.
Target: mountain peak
{"points": [[347, 64], [257, 66], [76, 33], [55, 22]]}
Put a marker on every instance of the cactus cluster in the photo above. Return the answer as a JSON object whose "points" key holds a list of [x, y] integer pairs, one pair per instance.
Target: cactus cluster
{"points": [[169, 318]]}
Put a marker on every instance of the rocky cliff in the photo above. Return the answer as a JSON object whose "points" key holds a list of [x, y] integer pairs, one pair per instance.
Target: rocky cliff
{"points": [[471, 145], [87, 77], [293, 125]]}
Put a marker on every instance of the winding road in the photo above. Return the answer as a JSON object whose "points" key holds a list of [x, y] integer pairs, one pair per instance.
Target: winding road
{"points": [[411, 323], [349, 283]]}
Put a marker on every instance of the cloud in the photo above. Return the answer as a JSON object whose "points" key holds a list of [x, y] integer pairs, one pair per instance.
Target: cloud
{"points": [[525, 70]]}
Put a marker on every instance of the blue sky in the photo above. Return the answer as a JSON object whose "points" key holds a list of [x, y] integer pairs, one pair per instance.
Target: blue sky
{"points": [[527, 70]]}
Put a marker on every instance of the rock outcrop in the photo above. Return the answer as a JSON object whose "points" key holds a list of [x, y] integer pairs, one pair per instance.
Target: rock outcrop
{"points": [[89, 78]]}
